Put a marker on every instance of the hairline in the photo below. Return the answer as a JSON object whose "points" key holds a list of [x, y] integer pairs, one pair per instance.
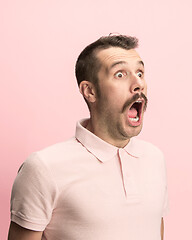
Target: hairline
{"points": [[100, 63], [97, 50], [94, 49]]}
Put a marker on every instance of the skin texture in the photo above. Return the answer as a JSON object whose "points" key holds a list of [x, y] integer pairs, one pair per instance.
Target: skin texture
{"points": [[162, 229], [120, 78], [19, 233]]}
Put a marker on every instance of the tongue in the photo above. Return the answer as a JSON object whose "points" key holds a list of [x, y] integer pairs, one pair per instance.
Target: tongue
{"points": [[132, 113]]}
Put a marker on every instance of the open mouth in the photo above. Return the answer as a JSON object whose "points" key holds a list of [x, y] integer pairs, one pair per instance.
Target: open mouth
{"points": [[134, 112]]}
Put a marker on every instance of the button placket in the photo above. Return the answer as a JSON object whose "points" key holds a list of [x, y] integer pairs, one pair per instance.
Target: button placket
{"points": [[129, 183], [120, 156]]}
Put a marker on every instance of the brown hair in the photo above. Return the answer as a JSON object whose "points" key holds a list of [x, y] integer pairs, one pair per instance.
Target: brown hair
{"points": [[88, 65]]}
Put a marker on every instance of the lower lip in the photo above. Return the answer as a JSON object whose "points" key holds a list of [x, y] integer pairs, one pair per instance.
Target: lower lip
{"points": [[134, 124]]}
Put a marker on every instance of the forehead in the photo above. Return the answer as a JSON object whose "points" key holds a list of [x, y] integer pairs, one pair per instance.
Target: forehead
{"points": [[110, 56]]}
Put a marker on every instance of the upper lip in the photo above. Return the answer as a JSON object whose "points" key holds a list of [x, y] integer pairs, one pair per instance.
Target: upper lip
{"points": [[138, 107], [140, 100]]}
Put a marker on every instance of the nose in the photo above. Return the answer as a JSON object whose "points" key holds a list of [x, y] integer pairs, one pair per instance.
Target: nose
{"points": [[138, 84]]}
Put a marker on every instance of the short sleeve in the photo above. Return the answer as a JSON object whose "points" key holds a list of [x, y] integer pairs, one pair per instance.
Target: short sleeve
{"points": [[33, 195]]}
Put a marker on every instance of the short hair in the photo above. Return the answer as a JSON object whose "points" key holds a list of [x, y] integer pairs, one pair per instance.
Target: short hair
{"points": [[88, 65]]}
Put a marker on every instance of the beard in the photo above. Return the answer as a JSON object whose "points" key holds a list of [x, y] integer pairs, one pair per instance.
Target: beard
{"points": [[135, 98], [115, 125]]}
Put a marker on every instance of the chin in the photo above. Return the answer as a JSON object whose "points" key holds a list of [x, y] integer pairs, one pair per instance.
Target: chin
{"points": [[134, 131], [126, 131]]}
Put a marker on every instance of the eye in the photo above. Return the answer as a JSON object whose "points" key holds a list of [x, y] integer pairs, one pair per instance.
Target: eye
{"points": [[120, 74], [140, 74]]}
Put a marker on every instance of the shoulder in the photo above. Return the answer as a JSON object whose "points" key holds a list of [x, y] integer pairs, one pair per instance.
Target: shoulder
{"points": [[150, 155], [57, 154], [61, 149], [145, 148]]}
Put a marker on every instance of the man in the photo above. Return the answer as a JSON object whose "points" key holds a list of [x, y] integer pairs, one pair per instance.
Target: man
{"points": [[103, 184]]}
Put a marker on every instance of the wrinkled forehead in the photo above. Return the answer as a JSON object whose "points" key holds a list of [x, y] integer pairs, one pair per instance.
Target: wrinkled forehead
{"points": [[111, 56]]}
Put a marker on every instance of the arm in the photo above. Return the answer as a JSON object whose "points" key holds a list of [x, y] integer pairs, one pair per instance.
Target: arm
{"points": [[17, 232], [162, 228]]}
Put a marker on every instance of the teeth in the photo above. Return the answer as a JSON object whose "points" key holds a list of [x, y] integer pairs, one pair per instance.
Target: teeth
{"points": [[136, 119], [138, 101]]}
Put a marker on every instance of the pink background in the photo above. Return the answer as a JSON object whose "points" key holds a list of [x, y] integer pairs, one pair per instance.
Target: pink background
{"points": [[39, 99]]}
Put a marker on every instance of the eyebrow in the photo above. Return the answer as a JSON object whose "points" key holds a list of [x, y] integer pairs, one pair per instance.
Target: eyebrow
{"points": [[142, 63], [117, 63], [123, 62]]}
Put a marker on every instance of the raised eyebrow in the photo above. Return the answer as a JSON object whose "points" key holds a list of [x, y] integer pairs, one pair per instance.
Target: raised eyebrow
{"points": [[117, 63], [141, 62], [123, 62]]}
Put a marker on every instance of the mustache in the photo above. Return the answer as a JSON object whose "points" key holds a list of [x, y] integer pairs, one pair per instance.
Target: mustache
{"points": [[135, 98]]}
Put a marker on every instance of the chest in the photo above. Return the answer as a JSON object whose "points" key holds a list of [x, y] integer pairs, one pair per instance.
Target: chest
{"points": [[114, 197]]}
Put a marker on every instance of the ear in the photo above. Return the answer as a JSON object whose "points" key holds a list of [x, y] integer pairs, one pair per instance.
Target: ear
{"points": [[87, 89]]}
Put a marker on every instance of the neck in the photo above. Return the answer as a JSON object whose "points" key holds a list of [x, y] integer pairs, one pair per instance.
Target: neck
{"points": [[97, 128]]}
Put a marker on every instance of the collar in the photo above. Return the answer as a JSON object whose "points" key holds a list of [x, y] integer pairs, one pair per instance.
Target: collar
{"points": [[98, 147]]}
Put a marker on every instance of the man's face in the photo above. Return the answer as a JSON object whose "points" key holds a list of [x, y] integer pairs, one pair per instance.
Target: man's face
{"points": [[119, 107]]}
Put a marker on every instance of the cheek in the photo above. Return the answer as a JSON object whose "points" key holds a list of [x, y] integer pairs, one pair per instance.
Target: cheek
{"points": [[116, 98], [117, 91], [114, 94]]}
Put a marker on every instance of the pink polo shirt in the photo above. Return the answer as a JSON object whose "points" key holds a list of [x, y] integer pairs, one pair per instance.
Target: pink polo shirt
{"points": [[87, 189]]}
